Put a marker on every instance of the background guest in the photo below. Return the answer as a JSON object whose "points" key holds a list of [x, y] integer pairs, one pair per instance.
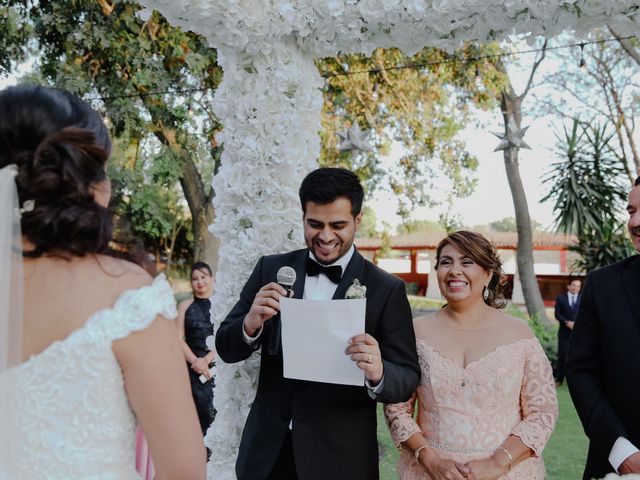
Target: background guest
{"points": [[566, 310], [194, 326]]}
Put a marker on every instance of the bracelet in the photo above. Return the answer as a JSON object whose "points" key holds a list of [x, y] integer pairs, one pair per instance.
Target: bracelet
{"points": [[417, 451], [509, 456]]}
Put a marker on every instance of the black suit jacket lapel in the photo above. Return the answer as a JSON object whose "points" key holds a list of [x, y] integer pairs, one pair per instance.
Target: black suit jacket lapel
{"points": [[301, 274], [355, 269], [631, 285]]}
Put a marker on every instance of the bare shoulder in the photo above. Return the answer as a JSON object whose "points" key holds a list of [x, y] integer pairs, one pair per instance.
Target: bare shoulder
{"points": [[121, 274], [513, 328], [426, 325]]}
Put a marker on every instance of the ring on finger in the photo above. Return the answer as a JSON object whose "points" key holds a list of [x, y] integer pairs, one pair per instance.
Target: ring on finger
{"points": [[369, 358]]}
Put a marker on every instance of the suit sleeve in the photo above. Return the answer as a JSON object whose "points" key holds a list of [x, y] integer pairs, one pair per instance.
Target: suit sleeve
{"points": [[559, 310], [600, 421], [230, 343], [398, 348]]}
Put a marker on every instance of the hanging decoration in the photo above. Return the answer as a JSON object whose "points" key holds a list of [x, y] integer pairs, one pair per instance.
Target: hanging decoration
{"points": [[355, 139]]}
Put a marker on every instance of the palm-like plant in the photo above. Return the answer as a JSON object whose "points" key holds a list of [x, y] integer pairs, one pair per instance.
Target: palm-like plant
{"points": [[603, 246], [586, 185], [588, 190]]}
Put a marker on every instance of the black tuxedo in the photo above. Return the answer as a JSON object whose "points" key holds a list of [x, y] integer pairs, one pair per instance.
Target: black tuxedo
{"points": [[603, 369], [564, 312], [334, 426]]}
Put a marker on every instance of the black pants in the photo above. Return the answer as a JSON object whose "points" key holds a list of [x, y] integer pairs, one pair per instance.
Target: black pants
{"points": [[563, 350], [285, 467]]}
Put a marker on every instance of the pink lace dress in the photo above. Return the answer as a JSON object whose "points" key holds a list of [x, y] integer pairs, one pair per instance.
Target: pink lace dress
{"points": [[466, 413]]}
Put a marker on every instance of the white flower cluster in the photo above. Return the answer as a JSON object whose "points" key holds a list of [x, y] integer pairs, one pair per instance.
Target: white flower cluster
{"points": [[270, 104], [325, 27]]}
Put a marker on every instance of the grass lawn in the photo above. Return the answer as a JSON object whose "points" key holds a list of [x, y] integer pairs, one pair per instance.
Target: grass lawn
{"points": [[564, 455], [566, 452]]}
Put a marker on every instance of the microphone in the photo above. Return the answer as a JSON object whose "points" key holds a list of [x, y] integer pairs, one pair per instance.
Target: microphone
{"points": [[285, 277]]}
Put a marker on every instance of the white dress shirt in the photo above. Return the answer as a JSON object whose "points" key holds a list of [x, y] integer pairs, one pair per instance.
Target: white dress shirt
{"points": [[621, 450]]}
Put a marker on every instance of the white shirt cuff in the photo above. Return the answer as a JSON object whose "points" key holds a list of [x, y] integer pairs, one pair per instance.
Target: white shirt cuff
{"points": [[621, 450], [251, 340], [374, 391]]}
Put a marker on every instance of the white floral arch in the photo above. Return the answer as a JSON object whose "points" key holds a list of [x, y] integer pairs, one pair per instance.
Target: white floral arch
{"points": [[270, 103]]}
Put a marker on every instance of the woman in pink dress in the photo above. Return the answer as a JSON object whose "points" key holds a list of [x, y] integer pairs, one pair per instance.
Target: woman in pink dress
{"points": [[487, 400]]}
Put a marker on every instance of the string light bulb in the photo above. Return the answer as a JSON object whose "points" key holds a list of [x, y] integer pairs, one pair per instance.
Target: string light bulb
{"points": [[583, 64]]}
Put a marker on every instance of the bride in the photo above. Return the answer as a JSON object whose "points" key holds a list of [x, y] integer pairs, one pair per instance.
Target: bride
{"points": [[86, 346]]}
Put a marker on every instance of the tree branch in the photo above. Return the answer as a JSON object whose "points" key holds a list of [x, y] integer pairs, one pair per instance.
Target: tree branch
{"points": [[626, 44], [536, 64]]}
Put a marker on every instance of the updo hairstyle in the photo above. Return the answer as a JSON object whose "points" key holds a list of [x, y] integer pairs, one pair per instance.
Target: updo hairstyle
{"points": [[484, 254], [60, 146]]}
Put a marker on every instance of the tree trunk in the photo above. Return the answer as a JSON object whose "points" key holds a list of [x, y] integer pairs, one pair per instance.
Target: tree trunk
{"points": [[524, 254], [205, 246], [200, 204]]}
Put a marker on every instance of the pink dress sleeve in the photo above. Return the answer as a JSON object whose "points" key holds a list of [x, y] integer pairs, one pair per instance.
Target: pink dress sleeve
{"points": [[399, 417], [538, 400]]}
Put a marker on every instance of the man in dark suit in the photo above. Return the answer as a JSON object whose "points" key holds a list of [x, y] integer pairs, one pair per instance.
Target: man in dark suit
{"points": [[312, 430], [603, 368], [565, 312]]}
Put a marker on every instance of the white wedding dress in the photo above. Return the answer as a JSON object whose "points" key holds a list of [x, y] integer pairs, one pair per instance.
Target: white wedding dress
{"points": [[64, 413]]}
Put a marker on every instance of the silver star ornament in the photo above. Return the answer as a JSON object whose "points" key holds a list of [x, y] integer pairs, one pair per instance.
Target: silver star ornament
{"points": [[512, 138], [355, 138]]}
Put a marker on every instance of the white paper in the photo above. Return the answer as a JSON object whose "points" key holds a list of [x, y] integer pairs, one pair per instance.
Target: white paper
{"points": [[315, 335]]}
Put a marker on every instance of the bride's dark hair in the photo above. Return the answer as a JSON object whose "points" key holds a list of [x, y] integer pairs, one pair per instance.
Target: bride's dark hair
{"points": [[60, 146]]}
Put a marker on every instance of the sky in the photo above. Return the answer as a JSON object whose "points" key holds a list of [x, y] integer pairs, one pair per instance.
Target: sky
{"points": [[491, 199]]}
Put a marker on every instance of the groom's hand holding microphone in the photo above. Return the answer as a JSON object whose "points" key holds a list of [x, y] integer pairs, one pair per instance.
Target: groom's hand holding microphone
{"points": [[265, 305]]}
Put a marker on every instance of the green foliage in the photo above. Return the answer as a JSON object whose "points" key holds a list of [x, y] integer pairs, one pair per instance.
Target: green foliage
{"points": [[152, 212], [547, 335], [101, 50], [602, 246], [508, 224], [14, 35], [423, 226], [418, 111], [368, 224], [585, 185], [588, 190]]}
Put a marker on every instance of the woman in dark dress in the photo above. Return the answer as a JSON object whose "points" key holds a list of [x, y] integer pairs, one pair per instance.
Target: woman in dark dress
{"points": [[194, 326]]}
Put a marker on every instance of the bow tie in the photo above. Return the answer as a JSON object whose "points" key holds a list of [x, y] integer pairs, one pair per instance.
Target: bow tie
{"points": [[333, 273]]}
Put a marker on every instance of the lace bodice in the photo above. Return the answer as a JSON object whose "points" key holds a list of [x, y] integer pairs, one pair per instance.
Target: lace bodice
{"points": [[64, 413], [466, 413]]}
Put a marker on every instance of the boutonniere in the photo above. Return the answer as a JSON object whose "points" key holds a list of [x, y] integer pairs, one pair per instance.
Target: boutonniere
{"points": [[356, 290]]}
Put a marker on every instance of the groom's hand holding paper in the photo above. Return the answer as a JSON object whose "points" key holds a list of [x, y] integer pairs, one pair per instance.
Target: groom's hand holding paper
{"points": [[314, 336]]}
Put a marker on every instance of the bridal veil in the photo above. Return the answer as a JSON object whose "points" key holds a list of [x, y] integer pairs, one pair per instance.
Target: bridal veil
{"points": [[11, 281]]}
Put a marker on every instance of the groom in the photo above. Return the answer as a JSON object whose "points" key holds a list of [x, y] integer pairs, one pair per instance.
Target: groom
{"points": [[310, 430]]}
